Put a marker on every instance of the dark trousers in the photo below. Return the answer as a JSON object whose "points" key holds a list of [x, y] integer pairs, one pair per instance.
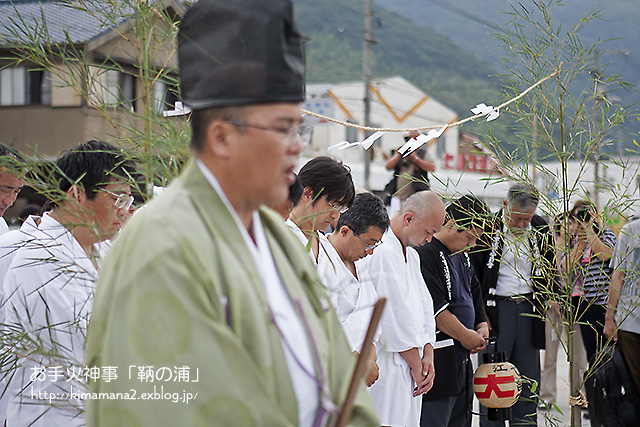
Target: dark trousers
{"points": [[515, 338], [453, 411], [591, 320], [629, 344], [447, 412]]}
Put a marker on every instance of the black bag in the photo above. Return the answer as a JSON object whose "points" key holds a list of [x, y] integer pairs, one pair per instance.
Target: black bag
{"points": [[613, 401], [390, 189], [538, 334], [420, 180]]}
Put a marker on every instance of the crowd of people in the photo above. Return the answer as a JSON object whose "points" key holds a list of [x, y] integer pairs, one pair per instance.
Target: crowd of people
{"points": [[225, 300]]}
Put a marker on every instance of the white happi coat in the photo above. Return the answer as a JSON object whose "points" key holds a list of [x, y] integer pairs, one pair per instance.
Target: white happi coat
{"points": [[407, 322], [49, 288], [352, 298]]}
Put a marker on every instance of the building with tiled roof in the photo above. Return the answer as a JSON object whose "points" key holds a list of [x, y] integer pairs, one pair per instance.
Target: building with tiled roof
{"points": [[46, 109]]}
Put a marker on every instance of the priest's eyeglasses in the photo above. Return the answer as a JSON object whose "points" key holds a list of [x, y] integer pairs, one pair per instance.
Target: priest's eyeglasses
{"points": [[303, 132], [367, 247], [123, 200]]}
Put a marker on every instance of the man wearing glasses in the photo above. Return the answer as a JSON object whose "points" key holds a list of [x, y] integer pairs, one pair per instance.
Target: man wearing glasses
{"points": [[514, 261], [328, 190], [459, 312], [350, 289], [50, 284], [206, 278]]}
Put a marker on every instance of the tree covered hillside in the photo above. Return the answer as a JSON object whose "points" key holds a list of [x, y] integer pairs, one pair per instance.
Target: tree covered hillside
{"points": [[472, 24], [426, 58]]}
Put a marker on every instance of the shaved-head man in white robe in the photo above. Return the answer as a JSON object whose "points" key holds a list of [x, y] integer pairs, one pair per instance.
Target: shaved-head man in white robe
{"points": [[405, 350]]}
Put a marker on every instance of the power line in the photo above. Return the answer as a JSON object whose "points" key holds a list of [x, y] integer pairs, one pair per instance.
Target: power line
{"points": [[457, 11]]}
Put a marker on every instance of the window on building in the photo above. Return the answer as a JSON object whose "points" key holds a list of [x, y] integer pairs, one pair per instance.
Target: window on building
{"points": [[21, 86], [164, 96], [120, 89]]}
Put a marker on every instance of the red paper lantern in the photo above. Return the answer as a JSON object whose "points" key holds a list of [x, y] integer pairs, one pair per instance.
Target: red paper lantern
{"points": [[497, 385]]}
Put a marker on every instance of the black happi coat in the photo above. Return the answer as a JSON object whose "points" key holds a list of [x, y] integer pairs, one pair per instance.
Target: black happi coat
{"points": [[486, 255]]}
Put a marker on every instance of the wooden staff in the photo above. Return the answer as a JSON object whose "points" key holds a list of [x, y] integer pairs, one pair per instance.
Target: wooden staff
{"points": [[359, 371]]}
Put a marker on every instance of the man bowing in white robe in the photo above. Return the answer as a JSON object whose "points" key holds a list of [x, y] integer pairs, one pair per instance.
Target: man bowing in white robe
{"points": [[350, 289], [405, 351], [327, 190]]}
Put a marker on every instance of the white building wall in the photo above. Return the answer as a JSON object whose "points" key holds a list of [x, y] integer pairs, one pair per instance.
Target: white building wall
{"points": [[396, 104], [621, 181], [619, 191]]}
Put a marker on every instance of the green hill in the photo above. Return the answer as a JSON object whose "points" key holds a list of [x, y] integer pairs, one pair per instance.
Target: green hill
{"points": [[423, 56], [448, 49], [472, 24]]}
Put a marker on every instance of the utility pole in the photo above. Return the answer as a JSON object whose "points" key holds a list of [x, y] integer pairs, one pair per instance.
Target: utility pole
{"points": [[366, 77], [597, 122], [598, 119]]}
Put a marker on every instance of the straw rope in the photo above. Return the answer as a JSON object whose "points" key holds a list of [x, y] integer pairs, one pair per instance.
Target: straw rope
{"points": [[447, 125]]}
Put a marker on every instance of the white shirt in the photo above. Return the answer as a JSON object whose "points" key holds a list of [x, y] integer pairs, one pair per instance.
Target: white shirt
{"points": [[294, 339], [53, 269], [514, 276], [352, 298], [407, 322]]}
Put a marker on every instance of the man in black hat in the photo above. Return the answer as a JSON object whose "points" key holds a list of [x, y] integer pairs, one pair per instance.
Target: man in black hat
{"points": [[207, 292]]}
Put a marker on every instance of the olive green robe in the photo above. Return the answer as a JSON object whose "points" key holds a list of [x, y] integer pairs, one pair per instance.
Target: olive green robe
{"points": [[180, 290]]}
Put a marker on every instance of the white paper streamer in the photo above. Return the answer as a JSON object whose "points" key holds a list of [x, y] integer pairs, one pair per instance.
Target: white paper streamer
{"points": [[366, 144], [180, 110], [414, 143], [493, 113]]}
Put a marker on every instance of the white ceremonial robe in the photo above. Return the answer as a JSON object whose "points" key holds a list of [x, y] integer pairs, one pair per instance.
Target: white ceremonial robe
{"points": [[352, 298], [407, 322], [4, 227], [100, 250], [302, 237], [299, 233], [50, 286], [9, 244]]}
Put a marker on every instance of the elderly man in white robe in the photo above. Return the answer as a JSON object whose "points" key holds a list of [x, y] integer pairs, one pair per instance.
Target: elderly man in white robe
{"points": [[405, 350], [50, 284], [350, 289]]}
